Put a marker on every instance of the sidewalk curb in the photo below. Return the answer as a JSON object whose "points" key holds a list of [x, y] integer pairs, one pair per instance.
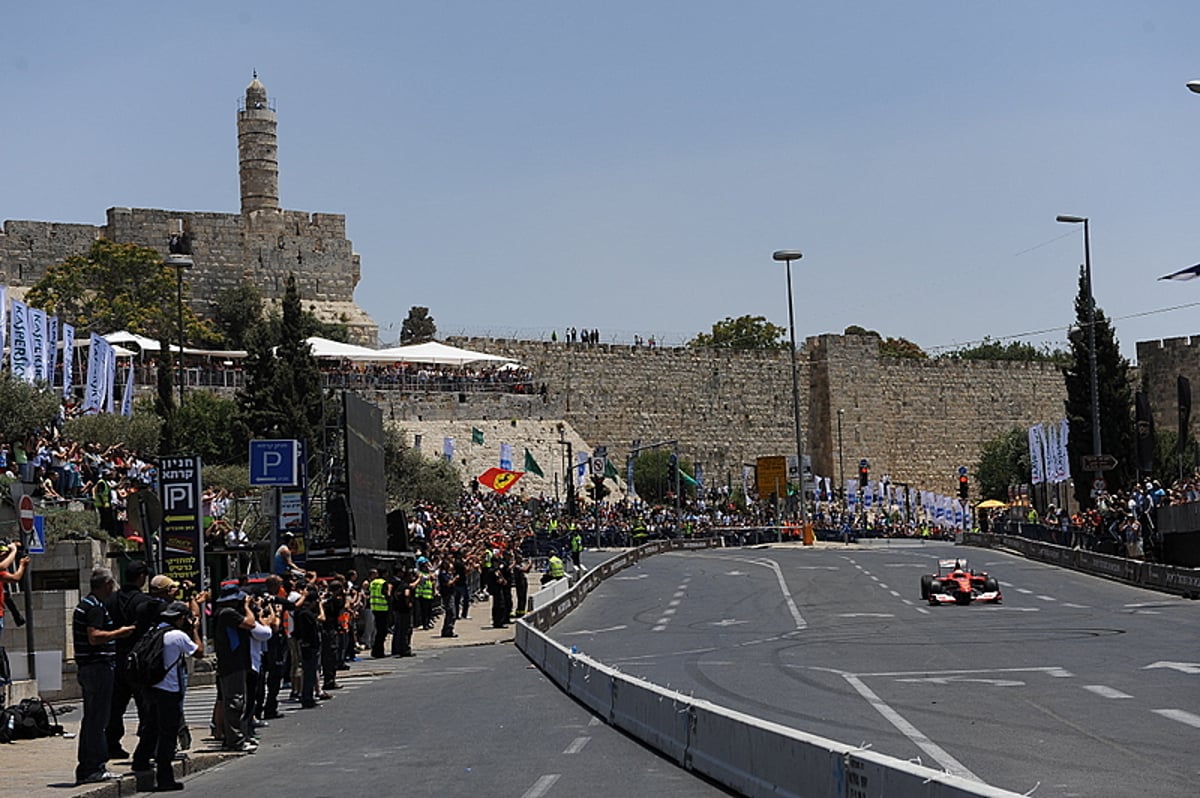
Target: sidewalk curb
{"points": [[127, 784]]}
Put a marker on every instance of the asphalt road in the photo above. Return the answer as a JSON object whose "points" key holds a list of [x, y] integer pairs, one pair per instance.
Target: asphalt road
{"points": [[462, 723], [1073, 686]]}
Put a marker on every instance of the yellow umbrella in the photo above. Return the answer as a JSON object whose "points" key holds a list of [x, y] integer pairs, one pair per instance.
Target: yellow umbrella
{"points": [[990, 504]]}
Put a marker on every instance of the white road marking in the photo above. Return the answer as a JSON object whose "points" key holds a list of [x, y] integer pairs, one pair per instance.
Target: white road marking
{"points": [[959, 679], [1104, 691], [673, 603], [1018, 609], [596, 631], [659, 628], [577, 745], [594, 721], [630, 578], [907, 601], [1179, 715], [1047, 598], [865, 615], [1076, 606], [728, 622], [1183, 667], [679, 594], [669, 611], [1050, 670], [939, 754], [542, 785], [1024, 590], [894, 593], [735, 573], [922, 609], [885, 587]]}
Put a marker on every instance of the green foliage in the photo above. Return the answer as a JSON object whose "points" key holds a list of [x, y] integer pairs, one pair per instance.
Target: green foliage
{"points": [[744, 332], [1168, 459], [118, 287], [233, 478], [854, 329], [202, 428], [1115, 395], [418, 326], [901, 347], [282, 397], [412, 477], [137, 433], [24, 408], [652, 476], [236, 311], [1003, 461], [61, 522], [990, 349]]}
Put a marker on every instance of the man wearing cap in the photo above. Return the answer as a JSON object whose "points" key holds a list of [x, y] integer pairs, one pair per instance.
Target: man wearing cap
{"points": [[128, 606], [232, 623], [95, 637], [159, 733]]}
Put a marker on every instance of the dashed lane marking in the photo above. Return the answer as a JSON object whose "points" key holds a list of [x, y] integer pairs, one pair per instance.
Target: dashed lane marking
{"points": [[542, 785], [1179, 715], [1047, 598], [576, 745], [1104, 691]]}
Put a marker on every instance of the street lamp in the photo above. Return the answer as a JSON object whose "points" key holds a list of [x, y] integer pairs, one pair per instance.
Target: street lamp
{"points": [[841, 459], [787, 256], [1091, 298], [179, 257]]}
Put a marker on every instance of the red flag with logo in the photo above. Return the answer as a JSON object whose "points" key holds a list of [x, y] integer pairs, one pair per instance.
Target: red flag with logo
{"points": [[500, 480]]}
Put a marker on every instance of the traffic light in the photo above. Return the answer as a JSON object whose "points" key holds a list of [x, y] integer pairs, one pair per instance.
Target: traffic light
{"points": [[864, 473], [673, 466], [963, 486], [598, 489]]}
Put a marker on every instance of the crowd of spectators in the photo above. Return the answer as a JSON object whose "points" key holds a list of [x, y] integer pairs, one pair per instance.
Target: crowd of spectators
{"points": [[427, 377]]}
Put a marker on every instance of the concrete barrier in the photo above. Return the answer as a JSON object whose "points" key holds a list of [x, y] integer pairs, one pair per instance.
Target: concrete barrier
{"points": [[746, 754]]}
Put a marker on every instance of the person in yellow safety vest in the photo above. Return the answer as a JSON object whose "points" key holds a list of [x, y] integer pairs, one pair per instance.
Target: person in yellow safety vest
{"points": [[379, 604], [553, 527], [554, 568], [424, 593], [102, 501], [576, 549]]}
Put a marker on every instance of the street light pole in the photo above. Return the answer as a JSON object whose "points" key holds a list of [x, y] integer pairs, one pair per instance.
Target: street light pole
{"points": [[841, 459], [787, 256], [1091, 299], [179, 257]]}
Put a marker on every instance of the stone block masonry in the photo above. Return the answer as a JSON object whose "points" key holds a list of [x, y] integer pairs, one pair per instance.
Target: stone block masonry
{"points": [[917, 421]]}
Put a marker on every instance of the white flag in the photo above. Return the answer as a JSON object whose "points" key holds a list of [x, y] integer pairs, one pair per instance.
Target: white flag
{"points": [[127, 398], [68, 357], [1037, 454], [19, 338]]}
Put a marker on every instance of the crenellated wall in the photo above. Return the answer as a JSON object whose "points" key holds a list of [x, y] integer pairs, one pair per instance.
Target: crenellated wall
{"points": [[1161, 363]]}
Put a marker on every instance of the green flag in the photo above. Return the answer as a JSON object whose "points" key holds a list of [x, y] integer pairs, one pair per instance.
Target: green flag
{"points": [[531, 465], [610, 470], [686, 477], [476, 435]]}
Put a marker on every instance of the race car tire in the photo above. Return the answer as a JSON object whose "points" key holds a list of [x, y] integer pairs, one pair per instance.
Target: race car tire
{"points": [[926, 581], [990, 585]]}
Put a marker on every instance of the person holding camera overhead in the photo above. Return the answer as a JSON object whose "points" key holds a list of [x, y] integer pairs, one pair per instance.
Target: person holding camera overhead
{"points": [[159, 733]]}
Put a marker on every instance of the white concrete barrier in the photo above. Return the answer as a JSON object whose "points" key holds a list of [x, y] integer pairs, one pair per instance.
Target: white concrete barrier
{"points": [[592, 684], [653, 714]]}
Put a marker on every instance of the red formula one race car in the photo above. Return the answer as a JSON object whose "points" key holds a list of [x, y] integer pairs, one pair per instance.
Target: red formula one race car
{"points": [[954, 583]]}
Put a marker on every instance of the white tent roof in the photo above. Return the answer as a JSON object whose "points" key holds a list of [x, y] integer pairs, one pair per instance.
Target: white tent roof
{"points": [[153, 345], [435, 352], [325, 349]]}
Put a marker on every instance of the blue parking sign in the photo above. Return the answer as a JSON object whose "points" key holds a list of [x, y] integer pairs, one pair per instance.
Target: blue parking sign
{"points": [[274, 462]]}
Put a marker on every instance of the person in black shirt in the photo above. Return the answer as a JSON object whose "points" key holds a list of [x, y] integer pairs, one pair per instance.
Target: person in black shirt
{"points": [[232, 623], [128, 606], [95, 637], [404, 583], [308, 634]]}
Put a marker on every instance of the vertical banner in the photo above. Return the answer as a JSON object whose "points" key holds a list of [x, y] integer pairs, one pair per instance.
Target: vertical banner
{"points": [[93, 394], [1064, 436], [699, 480], [1144, 430], [581, 464], [3, 321], [37, 344], [127, 397], [1183, 389], [68, 357], [632, 491], [110, 377], [19, 341], [183, 541], [1052, 464], [51, 349], [1037, 454], [506, 451], [448, 449]]}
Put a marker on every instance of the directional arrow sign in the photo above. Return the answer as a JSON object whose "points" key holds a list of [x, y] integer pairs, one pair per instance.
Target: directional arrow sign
{"points": [[1099, 462], [1183, 667]]}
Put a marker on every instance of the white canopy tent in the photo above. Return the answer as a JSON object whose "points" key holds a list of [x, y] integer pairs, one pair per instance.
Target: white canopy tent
{"points": [[439, 353], [145, 344], [325, 349]]}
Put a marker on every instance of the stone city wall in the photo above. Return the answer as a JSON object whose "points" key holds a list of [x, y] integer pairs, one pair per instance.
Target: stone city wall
{"points": [[916, 421], [1161, 363]]}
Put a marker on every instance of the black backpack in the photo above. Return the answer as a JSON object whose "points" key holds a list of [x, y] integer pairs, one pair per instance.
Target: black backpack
{"points": [[144, 663], [31, 720]]}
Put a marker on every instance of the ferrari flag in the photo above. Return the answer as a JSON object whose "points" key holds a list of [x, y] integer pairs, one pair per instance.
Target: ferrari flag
{"points": [[500, 480]]}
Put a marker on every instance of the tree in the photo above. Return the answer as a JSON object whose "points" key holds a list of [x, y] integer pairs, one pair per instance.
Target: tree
{"points": [[118, 287], [236, 311], [202, 428], [991, 349], [24, 408], [901, 347], [412, 477], [282, 397], [139, 433], [744, 332], [653, 478], [1003, 461], [418, 326], [1115, 401]]}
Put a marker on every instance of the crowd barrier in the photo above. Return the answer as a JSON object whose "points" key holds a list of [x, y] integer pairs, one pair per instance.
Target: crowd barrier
{"points": [[751, 756], [1155, 576]]}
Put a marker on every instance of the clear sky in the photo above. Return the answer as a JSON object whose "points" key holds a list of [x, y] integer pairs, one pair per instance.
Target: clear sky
{"points": [[529, 165]]}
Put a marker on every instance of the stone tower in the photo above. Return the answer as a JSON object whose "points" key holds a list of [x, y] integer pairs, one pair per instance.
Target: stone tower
{"points": [[258, 151]]}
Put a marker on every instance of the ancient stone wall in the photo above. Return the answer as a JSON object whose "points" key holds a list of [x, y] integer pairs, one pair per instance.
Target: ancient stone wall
{"points": [[917, 421], [1161, 363]]}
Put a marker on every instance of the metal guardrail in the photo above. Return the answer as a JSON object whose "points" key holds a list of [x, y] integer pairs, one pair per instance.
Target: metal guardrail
{"points": [[752, 756]]}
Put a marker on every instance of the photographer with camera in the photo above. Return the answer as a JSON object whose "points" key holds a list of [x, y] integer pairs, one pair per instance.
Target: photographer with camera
{"points": [[159, 731]]}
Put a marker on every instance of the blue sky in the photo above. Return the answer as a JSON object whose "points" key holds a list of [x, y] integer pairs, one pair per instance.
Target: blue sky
{"points": [[520, 167]]}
